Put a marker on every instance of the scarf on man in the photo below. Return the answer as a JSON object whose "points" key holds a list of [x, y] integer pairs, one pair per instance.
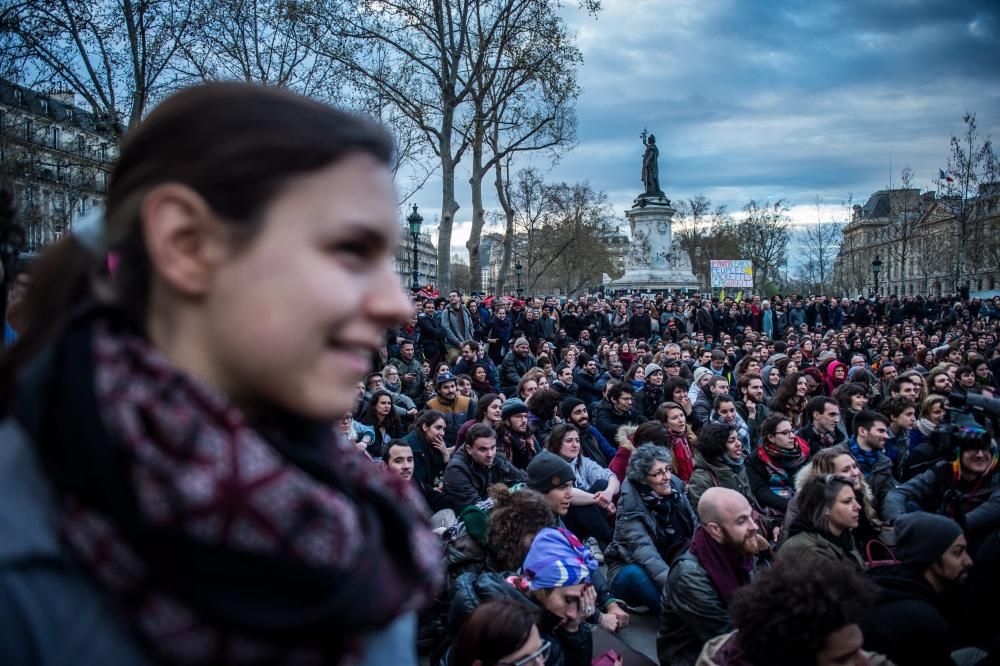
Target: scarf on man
{"points": [[727, 570], [866, 459], [220, 541]]}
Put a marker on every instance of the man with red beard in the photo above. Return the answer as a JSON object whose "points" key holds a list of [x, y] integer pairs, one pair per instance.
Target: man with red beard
{"points": [[721, 559]]}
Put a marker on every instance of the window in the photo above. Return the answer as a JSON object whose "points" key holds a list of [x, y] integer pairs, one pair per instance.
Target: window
{"points": [[83, 205], [104, 152], [55, 137], [29, 130], [81, 145]]}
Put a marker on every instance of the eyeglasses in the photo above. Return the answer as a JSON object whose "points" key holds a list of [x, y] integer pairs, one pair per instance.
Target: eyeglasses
{"points": [[661, 474], [783, 432], [541, 655]]}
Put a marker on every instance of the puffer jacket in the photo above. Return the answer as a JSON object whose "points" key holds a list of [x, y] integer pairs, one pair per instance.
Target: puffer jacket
{"points": [[718, 474], [567, 649], [635, 539]]}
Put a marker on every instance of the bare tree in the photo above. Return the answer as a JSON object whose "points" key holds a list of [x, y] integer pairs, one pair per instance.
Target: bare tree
{"points": [[573, 241], [522, 96], [763, 239], [115, 55], [820, 243], [705, 233], [974, 169]]}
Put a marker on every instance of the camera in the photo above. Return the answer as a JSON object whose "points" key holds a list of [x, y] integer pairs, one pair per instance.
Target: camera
{"points": [[959, 430]]}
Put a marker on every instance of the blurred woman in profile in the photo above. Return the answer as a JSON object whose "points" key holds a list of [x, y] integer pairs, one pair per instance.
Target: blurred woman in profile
{"points": [[153, 417], [499, 633]]}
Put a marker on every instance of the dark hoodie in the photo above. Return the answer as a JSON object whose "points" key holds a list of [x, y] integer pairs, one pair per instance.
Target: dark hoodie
{"points": [[906, 624]]}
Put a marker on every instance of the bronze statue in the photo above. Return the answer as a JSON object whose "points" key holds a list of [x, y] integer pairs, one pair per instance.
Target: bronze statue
{"points": [[650, 166]]}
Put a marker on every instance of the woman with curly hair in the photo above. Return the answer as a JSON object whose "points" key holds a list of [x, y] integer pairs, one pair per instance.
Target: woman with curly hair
{"points": [[380, 415]]}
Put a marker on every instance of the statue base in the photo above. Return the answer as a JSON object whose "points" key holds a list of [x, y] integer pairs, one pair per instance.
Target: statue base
{"points": [[654, 262]]}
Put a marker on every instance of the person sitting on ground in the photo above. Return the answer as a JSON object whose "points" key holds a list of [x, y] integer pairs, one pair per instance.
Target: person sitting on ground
{"points": [[474, 468], [556, 582], [543, 414], [821, 430], [701, 411], [773, 466], [840, 462], [719, 462], [654, 526], [871, 430], [909, 623], [720, 560], [456, 409], [828, 512], [966, 489], [681, 438], [488, 412], [724, 411], [798, 612], [592, 442], [500, 632], [616, 412], [595, 487]]}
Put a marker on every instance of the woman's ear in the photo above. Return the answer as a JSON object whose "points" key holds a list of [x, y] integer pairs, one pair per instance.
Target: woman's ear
{"points": [[184, 240]]}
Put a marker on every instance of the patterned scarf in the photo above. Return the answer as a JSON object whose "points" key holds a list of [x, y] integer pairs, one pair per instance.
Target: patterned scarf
{"points": [[222, 542], [866, 459], [783, 458]]}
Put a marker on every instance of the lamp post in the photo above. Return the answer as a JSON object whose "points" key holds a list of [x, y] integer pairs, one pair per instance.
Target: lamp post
{"points": [[414, 220], [876, 268], [517, 271]]}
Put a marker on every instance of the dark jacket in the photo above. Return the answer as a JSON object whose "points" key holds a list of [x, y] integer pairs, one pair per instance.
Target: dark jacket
{"points": [[594, 445], [640, 326], [512, 369], [466, 482], [815, 442], [906, 624], [717, 474], [772, 485], [431, 336], [701, 410], [428, 465], [754, 424], [880, 480], [648, 400], [607, 419], [635, 540], [567, 649], [586, 387], [977, 506], [691, 613]]}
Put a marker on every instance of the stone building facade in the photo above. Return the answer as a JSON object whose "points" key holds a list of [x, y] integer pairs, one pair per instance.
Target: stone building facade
{"points": [[427, 260], [55, 157], [928, 244]]}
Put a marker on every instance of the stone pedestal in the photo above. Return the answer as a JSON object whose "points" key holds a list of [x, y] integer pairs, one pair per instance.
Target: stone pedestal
{"points": [[655, 262]]}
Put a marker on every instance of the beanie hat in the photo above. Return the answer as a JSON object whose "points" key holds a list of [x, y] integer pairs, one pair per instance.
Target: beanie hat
{"points": [[444, 377], [922, 538], [522, 341], [513, 406], [699, 373], [547, 471], [567, 406], [557, 559], [651, 368]]}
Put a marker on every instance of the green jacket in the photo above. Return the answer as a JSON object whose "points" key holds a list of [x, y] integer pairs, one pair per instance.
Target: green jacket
{"points": [[804, 544], [717, 474]]}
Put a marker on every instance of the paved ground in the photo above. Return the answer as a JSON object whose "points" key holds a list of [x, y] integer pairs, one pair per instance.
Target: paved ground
{"points": [[636, 643]]}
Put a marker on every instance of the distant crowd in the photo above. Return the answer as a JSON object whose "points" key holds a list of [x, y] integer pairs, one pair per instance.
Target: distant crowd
{"points": [[688, 445]]}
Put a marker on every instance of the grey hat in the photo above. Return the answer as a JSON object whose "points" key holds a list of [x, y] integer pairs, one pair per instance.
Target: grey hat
{"points": [[700, 372], [922, 538], [547, 471], [651, 368], [513, 406], [522, 341]]}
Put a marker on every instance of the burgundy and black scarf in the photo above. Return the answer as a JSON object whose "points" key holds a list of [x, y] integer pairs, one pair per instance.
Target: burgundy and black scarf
{"points": [[220, 541]]}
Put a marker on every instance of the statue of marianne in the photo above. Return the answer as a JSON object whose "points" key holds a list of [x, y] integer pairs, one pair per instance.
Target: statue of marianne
{"points": [[650, 166]]}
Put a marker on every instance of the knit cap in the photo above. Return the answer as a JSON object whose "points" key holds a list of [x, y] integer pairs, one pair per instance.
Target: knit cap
{"points": [[651, 368], [699, 373], [547, 471], [522, 341], [567, 406], [513, 406], [557, 559], [922, 538]]}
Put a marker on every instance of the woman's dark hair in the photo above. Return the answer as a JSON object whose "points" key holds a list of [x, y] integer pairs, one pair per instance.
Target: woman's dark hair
{"points": [[843, 394], [712, 439], [816, 497], [515, 515], [651, 432], [236, 145], [496, 628], [786, 391], [672, 385], [391, 422], [484, 404], [786, 614], [427, 418], [543, 403], [555, 440], [770, 425]]}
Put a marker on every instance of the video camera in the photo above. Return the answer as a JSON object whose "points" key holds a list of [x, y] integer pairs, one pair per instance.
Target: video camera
{"points": [[959, 430]]}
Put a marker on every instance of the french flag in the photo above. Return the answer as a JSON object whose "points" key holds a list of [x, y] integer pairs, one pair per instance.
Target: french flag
{"points": [[946, 177]]}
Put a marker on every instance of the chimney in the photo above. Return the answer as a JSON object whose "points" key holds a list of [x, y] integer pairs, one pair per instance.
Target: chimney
{"points": [[67, 97]]}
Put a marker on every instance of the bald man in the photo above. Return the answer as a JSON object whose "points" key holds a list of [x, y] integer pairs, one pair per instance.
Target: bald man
{"points": [[722, 558]]}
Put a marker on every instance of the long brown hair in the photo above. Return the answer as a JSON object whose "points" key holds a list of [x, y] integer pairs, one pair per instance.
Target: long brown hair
{"points": [[236, 145]]}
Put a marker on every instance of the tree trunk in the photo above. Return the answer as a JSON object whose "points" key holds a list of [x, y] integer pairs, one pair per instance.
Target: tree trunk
{"points": [[508, 235], [478, 214], [448, 204]]}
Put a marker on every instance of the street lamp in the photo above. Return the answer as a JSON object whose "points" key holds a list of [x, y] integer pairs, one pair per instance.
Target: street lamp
{"points": [[876, 268], [414, 220], [517, 271]]}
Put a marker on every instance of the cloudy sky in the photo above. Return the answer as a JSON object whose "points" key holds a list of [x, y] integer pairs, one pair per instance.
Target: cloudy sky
{"points": [[768, 100]]}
